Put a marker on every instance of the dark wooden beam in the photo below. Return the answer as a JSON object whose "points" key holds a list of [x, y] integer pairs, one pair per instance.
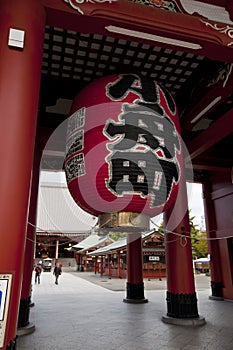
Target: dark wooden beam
{"points": [[208, 95], [216, 132], [210, 166]]}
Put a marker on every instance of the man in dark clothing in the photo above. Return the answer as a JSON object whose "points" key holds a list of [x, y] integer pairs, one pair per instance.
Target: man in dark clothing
{"points": [[57, 272], [38, 271]]}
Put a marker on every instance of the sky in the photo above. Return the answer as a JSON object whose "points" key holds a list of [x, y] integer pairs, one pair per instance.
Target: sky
{"points": [[194, 191], [195, 203]]}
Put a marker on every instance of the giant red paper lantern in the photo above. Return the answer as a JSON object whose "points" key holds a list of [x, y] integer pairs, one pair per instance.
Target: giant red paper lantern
{"points": [[123, 150]]}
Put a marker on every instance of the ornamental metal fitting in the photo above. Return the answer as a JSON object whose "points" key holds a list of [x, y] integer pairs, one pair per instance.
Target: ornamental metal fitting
{"points": [[125, 221]]}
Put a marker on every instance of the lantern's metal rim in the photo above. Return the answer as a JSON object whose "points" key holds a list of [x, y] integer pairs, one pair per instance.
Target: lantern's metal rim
{"points": [[127, 229], [125, 221]]}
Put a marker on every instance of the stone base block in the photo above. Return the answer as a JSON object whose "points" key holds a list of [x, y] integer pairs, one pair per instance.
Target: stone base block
{"points": [[200, 321], [30, 328]]}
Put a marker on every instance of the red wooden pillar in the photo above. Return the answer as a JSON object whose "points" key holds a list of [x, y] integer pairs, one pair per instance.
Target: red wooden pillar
{"points": [[78, 261], [76, 256], [20, 71], [119, 264], [81, 266], [135, 285], [215, 261], [95, 264], [24, 325], [101, 265], [181, 295], [109, 266], [85, 262]]}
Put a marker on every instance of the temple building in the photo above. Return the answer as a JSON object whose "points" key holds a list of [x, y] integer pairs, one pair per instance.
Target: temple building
{"points": [[60, 223], [111, 261]]}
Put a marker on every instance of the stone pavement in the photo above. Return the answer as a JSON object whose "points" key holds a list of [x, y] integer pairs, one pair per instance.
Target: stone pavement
{"points": [[116, 284], [86, 312]]}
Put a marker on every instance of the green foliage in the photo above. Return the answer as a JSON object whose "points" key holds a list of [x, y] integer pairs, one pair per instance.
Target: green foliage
{"points": [[199, 245], [198, 239], [161, 228], [116, 235]]}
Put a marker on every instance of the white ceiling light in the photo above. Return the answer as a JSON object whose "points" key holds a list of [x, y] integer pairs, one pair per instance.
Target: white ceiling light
{"points": [[152, 37], [206, 109]]}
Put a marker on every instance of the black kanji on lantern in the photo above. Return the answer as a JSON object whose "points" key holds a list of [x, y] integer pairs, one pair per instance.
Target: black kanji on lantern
{"points": [[142, 173], [141, 125], [146, 89], [144, 143]]}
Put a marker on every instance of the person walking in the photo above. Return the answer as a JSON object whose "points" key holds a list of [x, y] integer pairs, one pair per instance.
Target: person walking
{"points": [[57, 272], [38, 270]]}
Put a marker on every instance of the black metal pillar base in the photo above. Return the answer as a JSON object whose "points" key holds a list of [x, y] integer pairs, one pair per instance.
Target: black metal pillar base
{"points": [[24, 311], [24, 327], [216, 288], [182, 305], [182, 310], [135, 293], [11, 345]]}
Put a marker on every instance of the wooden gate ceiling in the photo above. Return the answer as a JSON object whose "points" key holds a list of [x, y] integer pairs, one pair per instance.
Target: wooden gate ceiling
{"points": [[81, 44]]}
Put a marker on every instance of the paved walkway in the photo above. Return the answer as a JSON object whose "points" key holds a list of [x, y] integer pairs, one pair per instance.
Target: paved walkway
{"points": [[85, 312]]}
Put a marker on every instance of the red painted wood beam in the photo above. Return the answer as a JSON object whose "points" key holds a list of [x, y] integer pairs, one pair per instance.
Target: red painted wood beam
{"points": [[100, 17], [217, 131], [229, 8]]}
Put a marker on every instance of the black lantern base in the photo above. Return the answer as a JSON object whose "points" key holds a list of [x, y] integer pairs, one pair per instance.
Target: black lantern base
{"points": [[135, 293], [216, 288]]}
